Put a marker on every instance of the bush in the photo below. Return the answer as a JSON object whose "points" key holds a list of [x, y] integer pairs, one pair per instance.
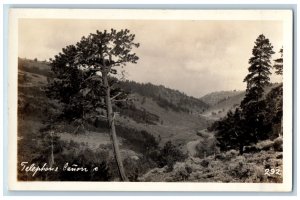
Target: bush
{"points": [[169, 155], [266, 145], [231, 154], [278, 142], [135, 168], [88, 159], [251, 149], [181, 172], [204, 163], [207, 147]]}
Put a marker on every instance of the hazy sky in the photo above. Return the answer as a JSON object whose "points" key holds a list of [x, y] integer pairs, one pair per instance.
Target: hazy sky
{"points": [[195, 57]]}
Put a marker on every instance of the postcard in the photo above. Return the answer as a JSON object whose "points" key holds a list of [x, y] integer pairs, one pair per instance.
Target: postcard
{"points": [[150, 100]]}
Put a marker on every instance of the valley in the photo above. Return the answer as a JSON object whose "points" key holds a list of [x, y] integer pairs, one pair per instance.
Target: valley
{"points": [[162, 113], [155, 116]]}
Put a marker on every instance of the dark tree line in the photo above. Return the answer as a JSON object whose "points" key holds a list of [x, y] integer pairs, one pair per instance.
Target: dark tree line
{"points": [[166, 98], [253, 120]]}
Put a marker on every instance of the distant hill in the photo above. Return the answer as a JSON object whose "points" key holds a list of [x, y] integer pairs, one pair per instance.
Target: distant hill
{"points": [[223, 101], [34, 66], [215, 98], [166, 98]]}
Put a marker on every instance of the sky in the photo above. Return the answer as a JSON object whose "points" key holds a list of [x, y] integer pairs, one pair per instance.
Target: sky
{"points": [[193, 56]]}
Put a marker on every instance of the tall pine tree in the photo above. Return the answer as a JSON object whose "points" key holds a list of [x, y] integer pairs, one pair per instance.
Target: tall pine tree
{"points": [[258, 78], [259, 70]]}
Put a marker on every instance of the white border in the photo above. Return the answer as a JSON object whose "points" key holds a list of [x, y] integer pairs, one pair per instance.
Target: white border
{"points": [[283, 15]]}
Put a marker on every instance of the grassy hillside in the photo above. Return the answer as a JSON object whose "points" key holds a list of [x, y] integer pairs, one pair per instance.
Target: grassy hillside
{"points": [[141, 125], [166, 98], [224, 167], [215, 98], [34, 66], [179, 127], [221, 102]]}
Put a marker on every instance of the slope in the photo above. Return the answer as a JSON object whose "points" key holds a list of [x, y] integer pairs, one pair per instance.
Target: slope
{"points": [[164, 113]]}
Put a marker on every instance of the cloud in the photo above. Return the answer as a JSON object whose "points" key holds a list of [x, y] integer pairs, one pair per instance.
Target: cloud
{"points": [[195, 57]]}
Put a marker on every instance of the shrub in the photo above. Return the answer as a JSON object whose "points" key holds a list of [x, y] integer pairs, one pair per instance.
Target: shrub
{"points": [[220, 156], [206, 147], [278, 144], [181, 172], [231, 154], [204, 163], [265, 145], [250, 149], [169, 155], [89, 159], [136, 168]]}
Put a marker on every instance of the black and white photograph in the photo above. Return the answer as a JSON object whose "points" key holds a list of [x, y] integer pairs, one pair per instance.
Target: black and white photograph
{"points": [[151, 97]]}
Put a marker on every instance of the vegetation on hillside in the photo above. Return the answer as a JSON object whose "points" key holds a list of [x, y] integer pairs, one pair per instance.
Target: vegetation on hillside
{"points": [[253, 121], [215, 98], [226, 167], [166, 98], [34, 66]]}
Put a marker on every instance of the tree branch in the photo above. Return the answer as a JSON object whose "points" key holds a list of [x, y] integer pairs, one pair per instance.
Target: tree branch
{"points": [[122, 100], [112, 98]]}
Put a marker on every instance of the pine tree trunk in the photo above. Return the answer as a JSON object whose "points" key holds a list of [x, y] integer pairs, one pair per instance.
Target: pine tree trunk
{"points": [[52, 149], [241, 149], [112, 128]]}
